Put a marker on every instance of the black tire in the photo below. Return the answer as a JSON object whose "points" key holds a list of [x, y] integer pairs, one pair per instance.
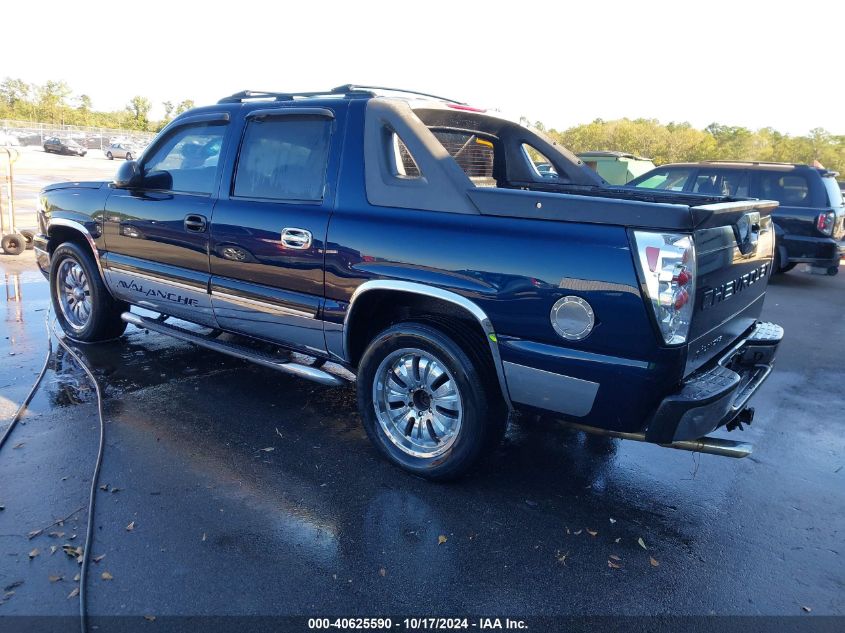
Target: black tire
{"points": [[13, 244], [109, 156], [128, 155], [483, 417], [103, 322], [29, 236]]}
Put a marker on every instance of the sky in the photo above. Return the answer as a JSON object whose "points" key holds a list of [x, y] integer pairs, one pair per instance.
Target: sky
{"points": [[739, 62]]}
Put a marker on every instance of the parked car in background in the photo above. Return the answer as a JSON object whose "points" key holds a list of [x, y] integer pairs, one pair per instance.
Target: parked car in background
{"points": [[617, 168], [122, 150], [64, 146], [809, 223]]}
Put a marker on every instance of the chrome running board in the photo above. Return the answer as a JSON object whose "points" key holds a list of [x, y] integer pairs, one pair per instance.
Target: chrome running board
{"points": [[236, 350]]}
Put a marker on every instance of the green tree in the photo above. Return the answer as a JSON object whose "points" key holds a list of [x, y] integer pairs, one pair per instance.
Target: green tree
{"points": [[139, 107]]}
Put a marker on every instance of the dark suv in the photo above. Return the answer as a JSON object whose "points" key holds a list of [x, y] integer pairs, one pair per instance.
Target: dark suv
{"points": [[809, 221]]}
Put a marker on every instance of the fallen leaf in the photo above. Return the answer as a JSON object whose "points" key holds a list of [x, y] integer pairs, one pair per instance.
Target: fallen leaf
{"points": [[104, 487], [150, 618], [19, 445], [653, 562], [441, 539], [53, 549], [279, 434], [33, 553], [269, 449], [641, 542], [615, 557], [33, 534], [97, 559], [382, 572], [76, 578], [807, 609], [561, 558], [591, 532], [106, 576], [617, 540], [567, 531], [55, 578], [203, 537], [577, 532], [116, 489], [612, 520], [130, 527], [613, 565], [73, 593]]}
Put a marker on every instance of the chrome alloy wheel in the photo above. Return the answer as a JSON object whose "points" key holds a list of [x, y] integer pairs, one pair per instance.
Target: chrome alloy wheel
{"points": [[418, 403], [74, 294]]}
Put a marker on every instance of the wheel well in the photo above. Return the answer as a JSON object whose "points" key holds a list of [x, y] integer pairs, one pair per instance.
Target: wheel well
{"points": [[61, 234], [376, 310]]}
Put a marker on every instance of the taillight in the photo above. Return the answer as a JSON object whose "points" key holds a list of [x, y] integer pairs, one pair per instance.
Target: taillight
{"points": [[825, 222], [667, 265]]}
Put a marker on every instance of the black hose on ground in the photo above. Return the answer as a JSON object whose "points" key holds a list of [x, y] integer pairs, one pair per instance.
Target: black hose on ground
{"points": [[89, 530]]}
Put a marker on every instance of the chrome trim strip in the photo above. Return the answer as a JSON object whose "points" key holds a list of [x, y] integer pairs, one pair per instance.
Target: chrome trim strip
{"points": [[550, 391], [267, 307], [436, 293], [81, 228], [157, 279]]}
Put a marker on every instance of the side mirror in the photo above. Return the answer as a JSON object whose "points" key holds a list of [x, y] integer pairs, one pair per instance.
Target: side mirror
{"points": [[128, 175]]}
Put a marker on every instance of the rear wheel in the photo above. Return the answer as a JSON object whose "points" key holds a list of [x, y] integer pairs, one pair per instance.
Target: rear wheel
{"points": [[83, 306], [778, 267], [425, 404]]}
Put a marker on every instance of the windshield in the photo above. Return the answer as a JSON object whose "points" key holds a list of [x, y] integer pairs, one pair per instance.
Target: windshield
{"points": [[834, 193], [666, 179]]}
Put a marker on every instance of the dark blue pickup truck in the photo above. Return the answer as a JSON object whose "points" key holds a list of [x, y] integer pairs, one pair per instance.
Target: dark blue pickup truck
{"points": [[411, 241]]}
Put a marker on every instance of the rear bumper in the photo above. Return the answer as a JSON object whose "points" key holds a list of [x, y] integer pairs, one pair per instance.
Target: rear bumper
{"points": [[716, 396], [818, 251]]}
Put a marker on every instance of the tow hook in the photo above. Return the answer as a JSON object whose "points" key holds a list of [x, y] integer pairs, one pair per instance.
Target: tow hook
{"points": [[746, 416]]}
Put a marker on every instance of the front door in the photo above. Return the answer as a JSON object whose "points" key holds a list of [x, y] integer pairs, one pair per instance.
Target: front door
{"points": [[157, 233], [269, 227]]}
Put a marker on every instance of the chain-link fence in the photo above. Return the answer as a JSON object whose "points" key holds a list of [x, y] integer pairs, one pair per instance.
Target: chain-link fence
{"points": [[26, 133]]}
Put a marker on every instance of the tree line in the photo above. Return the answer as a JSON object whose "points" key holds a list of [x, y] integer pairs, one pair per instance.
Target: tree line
{"points": [[55, 102], [681, 142]]}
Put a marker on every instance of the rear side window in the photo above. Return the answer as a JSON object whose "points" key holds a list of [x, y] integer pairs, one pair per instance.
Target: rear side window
{"points": [[791, 190], [834, 193], [721, 183], [284, 158], [665, 179], [473, 153]]}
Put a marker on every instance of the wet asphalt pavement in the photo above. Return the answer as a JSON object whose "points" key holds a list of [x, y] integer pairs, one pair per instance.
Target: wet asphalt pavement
{"points": [[250, 492]]}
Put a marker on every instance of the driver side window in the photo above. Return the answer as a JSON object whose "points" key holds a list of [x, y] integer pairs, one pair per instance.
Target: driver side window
{"points": [[186, 162]]}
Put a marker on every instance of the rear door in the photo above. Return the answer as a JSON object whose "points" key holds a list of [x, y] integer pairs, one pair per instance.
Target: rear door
{"points": [[157, 233], [269, 227]]}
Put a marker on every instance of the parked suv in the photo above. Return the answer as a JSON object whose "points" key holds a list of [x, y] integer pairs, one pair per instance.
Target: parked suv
{"points": [[809, 223], [413, 242]]}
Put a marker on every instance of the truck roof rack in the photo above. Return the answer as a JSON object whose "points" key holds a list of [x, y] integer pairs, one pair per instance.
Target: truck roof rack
{"points": [[347, 90]]}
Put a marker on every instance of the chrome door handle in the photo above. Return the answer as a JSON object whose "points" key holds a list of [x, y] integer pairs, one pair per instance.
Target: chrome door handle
{"points": [[297, 239]]}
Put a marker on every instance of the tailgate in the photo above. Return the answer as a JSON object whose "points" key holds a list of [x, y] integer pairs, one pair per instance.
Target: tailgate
{"points": [[734, 243]]}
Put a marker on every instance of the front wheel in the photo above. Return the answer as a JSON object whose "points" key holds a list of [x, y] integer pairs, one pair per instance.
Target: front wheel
{"points": [[425, 404], [128, 155], [109, 155], [83, 306]]}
